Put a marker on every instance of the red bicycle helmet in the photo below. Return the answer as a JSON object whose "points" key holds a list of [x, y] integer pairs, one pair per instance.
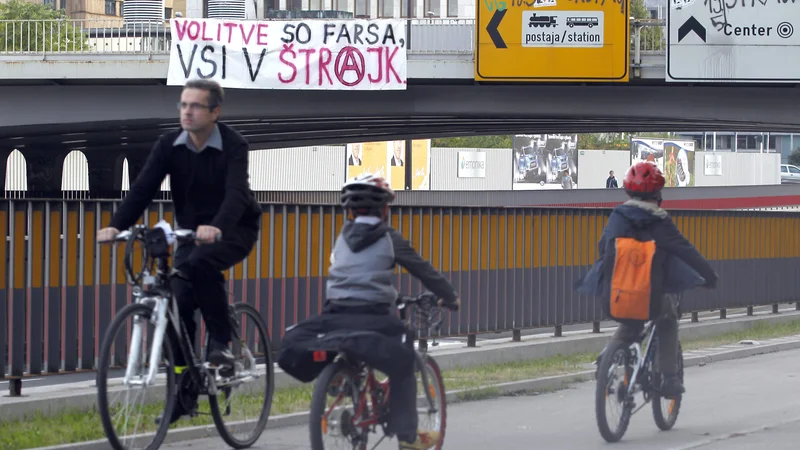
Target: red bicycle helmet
{"points": [[644, 180]]}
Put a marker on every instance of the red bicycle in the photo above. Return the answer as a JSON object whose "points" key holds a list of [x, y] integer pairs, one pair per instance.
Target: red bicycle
{"points": [[345, 379]]}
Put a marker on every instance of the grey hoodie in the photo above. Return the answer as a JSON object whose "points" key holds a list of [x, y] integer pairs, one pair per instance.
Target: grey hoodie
{"points": [[363, 262]]}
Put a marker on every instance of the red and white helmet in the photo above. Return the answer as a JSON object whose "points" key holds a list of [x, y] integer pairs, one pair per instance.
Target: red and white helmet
{"points": [[367, 194]]}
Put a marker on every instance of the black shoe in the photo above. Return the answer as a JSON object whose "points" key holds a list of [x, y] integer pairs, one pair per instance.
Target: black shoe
{"points": [[219, 355], [671, 387], [185, 402]]}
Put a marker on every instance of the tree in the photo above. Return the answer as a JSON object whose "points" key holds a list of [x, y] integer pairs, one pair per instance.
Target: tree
{"points": [[613, 141], [588, 141], [31, 27], [794, 157], [652, 35], [503, 141]]}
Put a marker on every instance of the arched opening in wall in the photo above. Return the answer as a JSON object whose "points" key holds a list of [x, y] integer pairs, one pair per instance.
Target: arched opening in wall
{"points": [[75, 176], [126, 179], [16, 175], [126, 182]]}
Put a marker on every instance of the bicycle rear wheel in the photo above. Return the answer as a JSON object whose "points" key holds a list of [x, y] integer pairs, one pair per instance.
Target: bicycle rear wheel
{"points": [[432, 420], [338, 383], [610, 389], [114, 354], [253, 387], [666, 420]]}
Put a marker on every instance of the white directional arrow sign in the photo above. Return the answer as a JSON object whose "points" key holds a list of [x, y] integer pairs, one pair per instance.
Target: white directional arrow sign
{"points": [[724, 41]]}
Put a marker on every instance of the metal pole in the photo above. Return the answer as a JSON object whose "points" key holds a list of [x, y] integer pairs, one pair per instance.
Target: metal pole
{"points": [[409, 157], [410, 14], [408, 165]]}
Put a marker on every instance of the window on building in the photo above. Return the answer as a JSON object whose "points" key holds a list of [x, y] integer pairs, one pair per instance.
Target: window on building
{"points": [[294, 5], [361, 8], [432, 8], [385, 8], [167, 13], [111, 7], [271, 5], [50, 3], [404, 5], [315, 5], [121, 8], [773, 142], [452, 8]]}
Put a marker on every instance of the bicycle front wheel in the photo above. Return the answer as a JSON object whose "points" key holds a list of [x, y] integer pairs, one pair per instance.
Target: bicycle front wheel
{"points": [[141, 431], [244, 401], [612, 391], [665, 411], [431, 407]]}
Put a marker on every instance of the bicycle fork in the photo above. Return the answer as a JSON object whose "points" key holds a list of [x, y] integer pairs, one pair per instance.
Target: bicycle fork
{"points": [[159, 316]]}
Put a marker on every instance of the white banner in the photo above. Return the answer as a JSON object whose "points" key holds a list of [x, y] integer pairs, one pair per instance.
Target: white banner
{"points": [[471, 164], [301, 54], [712, 165]]}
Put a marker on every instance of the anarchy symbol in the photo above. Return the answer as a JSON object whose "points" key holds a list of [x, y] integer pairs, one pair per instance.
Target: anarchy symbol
{"points": [[349, 59]]}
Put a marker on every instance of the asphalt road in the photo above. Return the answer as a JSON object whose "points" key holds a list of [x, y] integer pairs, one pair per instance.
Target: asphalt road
{"points": [[741, 404], [47, 380]]}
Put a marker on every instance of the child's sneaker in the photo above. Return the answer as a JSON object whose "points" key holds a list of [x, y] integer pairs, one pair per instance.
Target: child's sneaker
{"points": [[425, 440]]}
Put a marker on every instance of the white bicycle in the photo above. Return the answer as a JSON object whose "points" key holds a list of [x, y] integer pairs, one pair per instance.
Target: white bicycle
{"points": [[138, 358]]}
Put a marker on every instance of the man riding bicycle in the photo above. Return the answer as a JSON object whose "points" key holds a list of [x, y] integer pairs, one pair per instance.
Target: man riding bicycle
{"points": [[675, 270], [360, 296], [207, 162]]}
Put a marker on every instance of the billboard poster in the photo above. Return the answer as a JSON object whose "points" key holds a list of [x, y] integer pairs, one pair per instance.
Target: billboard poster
{"points": [[644, 149], [542, 161], [679, 163], [388, 160]]}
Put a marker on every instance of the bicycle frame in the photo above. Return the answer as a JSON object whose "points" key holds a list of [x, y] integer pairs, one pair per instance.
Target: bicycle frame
{"points": [[165, 312], [641, 360]]}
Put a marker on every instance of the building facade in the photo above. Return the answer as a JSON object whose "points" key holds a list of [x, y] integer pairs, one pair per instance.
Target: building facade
{"points": [[746, 142]]}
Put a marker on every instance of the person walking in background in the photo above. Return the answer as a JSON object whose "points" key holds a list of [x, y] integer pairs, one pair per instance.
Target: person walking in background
{"points": [[566, 180], [611, 182]]}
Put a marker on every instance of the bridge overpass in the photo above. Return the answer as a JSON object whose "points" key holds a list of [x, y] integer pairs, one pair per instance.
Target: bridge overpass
{"points": [[111, 102], [442, 99]]}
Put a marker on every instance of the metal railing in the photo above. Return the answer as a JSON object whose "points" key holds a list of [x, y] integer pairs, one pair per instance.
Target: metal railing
{"points": [[514, 268], [114, 36]]}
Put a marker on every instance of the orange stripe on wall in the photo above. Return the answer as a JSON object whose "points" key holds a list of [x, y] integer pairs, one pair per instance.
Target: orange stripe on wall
{"points": [[3, 246], [89, 229], [19, 249], [55, 247], [105, 249], [265, 244], [37, 247]]}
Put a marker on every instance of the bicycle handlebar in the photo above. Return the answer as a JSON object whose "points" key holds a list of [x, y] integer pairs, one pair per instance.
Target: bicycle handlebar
{"points": [[181, 235], [427, 305], [137, 233]]}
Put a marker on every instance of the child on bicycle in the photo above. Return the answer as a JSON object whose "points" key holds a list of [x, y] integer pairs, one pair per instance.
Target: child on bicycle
{"points": [[675, 267], [360, 296]]}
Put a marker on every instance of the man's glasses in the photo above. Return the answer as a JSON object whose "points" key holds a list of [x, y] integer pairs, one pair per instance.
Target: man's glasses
{"points": [[193, 106]]}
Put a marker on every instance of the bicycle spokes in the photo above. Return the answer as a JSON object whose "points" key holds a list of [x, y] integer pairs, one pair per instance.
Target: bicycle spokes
{"points": [[340, 415], [129, 402]]}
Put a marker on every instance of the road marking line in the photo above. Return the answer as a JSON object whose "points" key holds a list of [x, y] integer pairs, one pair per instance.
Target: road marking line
{"points": [[735, 434]]}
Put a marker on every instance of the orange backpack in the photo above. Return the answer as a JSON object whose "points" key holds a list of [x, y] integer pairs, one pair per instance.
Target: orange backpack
{"points": [[631, 278]]}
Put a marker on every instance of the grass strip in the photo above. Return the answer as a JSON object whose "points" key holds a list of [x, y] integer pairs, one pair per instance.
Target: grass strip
{"points": [[74, 426]]}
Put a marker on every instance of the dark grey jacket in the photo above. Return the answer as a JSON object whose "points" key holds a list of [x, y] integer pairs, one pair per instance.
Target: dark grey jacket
{"points": [[363, 262]]}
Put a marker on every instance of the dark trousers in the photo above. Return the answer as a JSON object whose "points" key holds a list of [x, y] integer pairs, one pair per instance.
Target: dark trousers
{"points": [[666, 333], [203, 265], [402, 416]]}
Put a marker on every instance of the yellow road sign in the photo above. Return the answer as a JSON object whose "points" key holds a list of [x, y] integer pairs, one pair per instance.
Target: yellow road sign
{"points": [[552, 40]]}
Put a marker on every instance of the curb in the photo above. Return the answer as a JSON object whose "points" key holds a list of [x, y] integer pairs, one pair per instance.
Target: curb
{"points": [[550, 383], [52, 399]]}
